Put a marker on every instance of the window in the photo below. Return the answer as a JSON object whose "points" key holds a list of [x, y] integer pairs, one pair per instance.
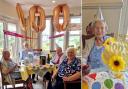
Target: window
{"points": [[59, 41], [75, 33], [11, 39], [45, 35], [1, 38], [73, 36], [10, 43]]}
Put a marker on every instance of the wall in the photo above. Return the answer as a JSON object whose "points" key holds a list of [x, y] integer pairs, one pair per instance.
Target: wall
{"points": [[101, 1], [110, 10], [7, 9]]}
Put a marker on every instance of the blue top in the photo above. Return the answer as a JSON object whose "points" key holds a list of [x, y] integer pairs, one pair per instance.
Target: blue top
{"points": [[29, 54], [94, 59], [66, 69]]}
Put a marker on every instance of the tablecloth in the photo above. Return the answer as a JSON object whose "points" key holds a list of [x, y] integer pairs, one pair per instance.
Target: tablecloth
{"points": [[105, 80], [40, 70]]}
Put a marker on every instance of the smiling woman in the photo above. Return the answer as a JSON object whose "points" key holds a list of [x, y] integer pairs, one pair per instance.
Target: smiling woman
{"points": [[69, 70]]}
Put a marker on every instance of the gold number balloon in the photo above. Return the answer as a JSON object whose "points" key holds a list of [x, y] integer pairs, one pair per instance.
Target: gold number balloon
{"points": [[63, 8]]}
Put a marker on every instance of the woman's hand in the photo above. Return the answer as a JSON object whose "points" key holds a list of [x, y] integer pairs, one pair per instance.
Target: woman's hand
{"points": [[85, 69], [54, 74], [66, 79], [6, 71], [85, 66], [12, 69], [73, 77]]}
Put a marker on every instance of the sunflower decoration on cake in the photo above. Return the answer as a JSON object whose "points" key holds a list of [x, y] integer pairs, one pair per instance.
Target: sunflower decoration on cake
{"points": [[116, 63], [112, 56]]}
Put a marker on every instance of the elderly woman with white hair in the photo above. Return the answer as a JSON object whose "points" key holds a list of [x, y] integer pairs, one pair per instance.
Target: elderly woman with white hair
{"points": [[69, 70], [9, 68], [94, 48]]}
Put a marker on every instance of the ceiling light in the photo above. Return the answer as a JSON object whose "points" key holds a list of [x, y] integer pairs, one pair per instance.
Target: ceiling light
{"points": [[53, 1]]}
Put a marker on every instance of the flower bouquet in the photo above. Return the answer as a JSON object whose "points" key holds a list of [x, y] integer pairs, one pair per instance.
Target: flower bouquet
{"points": [[115, 56]]}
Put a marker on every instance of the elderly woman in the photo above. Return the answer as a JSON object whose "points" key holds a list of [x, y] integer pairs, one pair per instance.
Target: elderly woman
{"points": [[94, 47], [69, 70], [59, 56], [9, 68]]}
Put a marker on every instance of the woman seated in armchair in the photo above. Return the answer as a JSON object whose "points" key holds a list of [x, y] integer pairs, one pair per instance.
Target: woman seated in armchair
{"points": [[94, 48], [9, 68], [69, 70]]}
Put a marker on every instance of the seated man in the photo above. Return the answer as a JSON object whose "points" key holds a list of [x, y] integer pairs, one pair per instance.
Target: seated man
{"points": [[9, 68], [69, 70], [59, 56], [57, 60]]}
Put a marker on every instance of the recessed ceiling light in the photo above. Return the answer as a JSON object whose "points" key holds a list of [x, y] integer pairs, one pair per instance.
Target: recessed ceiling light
{"points": [[53, 1]]}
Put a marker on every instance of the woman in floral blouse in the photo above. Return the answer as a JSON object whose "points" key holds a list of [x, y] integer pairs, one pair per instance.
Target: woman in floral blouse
{"points": [[69, 70]]}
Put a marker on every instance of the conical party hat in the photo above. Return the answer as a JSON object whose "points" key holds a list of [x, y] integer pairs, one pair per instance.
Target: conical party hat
{"points": [[99, 15]]}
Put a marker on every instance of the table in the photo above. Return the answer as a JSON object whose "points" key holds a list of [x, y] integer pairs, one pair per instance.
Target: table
{"points": [[38, 69]]}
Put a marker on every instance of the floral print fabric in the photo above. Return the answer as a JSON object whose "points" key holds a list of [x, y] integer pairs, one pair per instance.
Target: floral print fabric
{"points": [[66, 69]]}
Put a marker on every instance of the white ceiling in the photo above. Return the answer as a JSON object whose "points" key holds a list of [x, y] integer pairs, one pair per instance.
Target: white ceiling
{"points": [[46, 4], [100, 1]]}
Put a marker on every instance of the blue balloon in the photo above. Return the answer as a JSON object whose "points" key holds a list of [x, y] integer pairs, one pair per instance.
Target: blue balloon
{"points": [[96, 85]]}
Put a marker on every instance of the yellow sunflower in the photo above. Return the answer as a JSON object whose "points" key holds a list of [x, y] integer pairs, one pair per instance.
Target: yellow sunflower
{"points": [[116, 63], [109, 41], [108, 44]]}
